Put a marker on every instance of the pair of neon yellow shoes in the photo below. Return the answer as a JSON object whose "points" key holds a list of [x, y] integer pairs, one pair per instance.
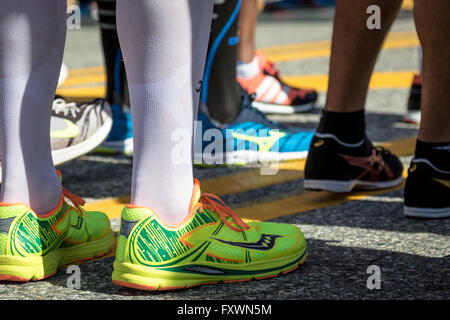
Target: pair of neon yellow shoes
{"points": [[211, 245]]}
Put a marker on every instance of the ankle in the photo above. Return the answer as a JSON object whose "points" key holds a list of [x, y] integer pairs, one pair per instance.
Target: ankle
{"points": [[349, 127], [248, 70], [437, 153]]}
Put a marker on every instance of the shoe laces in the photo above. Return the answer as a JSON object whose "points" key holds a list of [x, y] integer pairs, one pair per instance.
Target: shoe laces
{"points": [[214, 203], [269, 67], [383, 151], [76, 200], [271, 70], [60, 105], [247, 101]]}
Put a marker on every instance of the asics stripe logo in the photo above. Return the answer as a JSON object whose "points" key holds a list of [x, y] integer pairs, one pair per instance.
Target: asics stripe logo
{"points": [[368, 163], [70, 131], [445, 183], [264, 143], [266, 242]]}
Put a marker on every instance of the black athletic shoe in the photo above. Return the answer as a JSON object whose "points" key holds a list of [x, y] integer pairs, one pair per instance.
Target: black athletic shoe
{"points": [[427, 190], [414, 101], [337, 166]]}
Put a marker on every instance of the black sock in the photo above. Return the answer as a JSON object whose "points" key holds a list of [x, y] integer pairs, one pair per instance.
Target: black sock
{"points": [[349, 127], [437, 153], [116, 91], [220, 90]]}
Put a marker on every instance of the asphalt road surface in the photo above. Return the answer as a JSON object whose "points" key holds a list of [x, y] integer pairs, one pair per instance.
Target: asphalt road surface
{"points": [[346, 235]]}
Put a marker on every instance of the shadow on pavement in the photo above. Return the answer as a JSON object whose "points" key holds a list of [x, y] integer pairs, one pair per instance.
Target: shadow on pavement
{"points": [[330, 272]]}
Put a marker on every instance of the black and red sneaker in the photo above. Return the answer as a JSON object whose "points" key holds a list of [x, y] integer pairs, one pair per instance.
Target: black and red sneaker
{"points": [[336, 166], [427, 190], [414, 101]]}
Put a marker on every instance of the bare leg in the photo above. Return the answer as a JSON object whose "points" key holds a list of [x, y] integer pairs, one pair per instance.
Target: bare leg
{"points": [[433, 22], [354, 52], [247, 26]]}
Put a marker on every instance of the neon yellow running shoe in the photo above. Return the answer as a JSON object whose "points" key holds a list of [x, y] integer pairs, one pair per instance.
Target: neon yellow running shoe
{"points": [[32, 246], [211, 245]]}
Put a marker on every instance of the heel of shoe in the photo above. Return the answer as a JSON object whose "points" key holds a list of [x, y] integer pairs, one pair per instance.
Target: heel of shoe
{"points": [[21, 269]]}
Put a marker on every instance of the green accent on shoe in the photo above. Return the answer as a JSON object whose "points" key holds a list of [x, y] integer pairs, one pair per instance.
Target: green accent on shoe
{"points": [[211, 245]]}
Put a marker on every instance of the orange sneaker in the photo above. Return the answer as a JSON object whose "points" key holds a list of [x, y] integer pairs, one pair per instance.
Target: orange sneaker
{"points": [[272, 95]]}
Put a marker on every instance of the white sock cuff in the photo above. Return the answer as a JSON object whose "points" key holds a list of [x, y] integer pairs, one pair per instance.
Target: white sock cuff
{"points": [[248, 70]]}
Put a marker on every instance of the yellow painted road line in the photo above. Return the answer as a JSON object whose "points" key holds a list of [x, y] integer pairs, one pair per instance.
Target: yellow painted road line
{"points": [[301, 203], [379, 80], [407, 5], [98, 78], [317, 49], [82, 92], [112, 208], [252, 180], [83, 84], [89, 71]]}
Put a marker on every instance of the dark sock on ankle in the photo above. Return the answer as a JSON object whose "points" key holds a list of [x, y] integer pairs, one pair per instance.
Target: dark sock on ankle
{"points": [[437, 153], [349, 127]]}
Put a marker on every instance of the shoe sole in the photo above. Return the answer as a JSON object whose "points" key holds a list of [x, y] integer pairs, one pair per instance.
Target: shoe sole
{"points": [[148, 278], [122, 146], [412, 117], [271, 108], [244, 157], [347, 186], [430, 213], [23, 269], [66, 154]]}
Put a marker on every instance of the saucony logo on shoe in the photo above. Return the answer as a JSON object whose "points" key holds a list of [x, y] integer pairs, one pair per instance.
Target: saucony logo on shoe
{"points": [[266, 242]]}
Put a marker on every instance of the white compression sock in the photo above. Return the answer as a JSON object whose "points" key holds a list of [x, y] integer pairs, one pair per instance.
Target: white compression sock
{"points": [[32, 35], [164, 48], [248, 70]]}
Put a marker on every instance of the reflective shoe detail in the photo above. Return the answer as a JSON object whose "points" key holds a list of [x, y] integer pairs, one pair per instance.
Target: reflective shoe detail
{"points": [[78, 128], [211, 245], [33, 247]]}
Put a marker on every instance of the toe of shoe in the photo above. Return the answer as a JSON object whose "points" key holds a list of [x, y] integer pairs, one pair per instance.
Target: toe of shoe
{"points": [[97, 223], [290, 238]]}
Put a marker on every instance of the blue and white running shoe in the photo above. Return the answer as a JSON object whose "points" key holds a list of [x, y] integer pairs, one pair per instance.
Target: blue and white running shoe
{"points": [[120, 139], [250, 139]]}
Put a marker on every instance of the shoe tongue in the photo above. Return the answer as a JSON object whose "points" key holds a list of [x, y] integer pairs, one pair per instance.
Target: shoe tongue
{"points": [[196, 193]]}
